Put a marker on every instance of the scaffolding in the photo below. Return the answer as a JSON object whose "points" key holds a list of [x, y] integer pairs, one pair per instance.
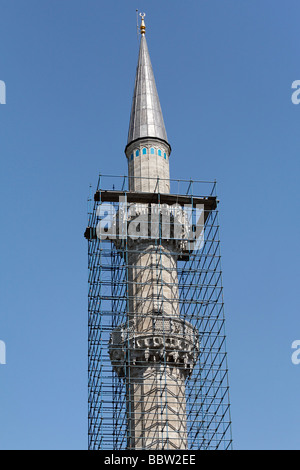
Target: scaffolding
{"points": [[157, 362]]}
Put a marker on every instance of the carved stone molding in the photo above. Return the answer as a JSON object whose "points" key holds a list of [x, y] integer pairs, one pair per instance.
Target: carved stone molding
{"points": [[171, 341]]}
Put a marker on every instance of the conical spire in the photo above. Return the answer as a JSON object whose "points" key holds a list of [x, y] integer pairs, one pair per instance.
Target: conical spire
{"points": [[146, 118]]}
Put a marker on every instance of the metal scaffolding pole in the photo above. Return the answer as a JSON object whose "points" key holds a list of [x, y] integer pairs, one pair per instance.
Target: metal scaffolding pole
{"points": [[158, 375]]}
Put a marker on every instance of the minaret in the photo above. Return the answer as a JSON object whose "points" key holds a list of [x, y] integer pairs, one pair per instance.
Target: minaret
{"points": [[155, 350], [147, 147]]}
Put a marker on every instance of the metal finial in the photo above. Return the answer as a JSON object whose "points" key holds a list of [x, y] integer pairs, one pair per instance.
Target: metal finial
{"points": [[143, 27]]}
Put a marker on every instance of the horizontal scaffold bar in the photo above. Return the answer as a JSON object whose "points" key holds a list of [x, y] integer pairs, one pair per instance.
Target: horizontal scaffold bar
{"points": [[209, 202]]}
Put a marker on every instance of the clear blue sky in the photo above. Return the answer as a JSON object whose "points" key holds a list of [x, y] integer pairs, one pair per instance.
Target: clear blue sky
{"points": [[224, 71]]}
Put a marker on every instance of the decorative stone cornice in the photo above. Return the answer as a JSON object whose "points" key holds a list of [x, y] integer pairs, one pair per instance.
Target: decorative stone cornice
{"points": [[171, 341]]}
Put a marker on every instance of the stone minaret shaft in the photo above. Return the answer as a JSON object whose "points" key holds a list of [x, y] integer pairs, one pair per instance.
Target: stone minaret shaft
{"points": [[154, 351]]}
